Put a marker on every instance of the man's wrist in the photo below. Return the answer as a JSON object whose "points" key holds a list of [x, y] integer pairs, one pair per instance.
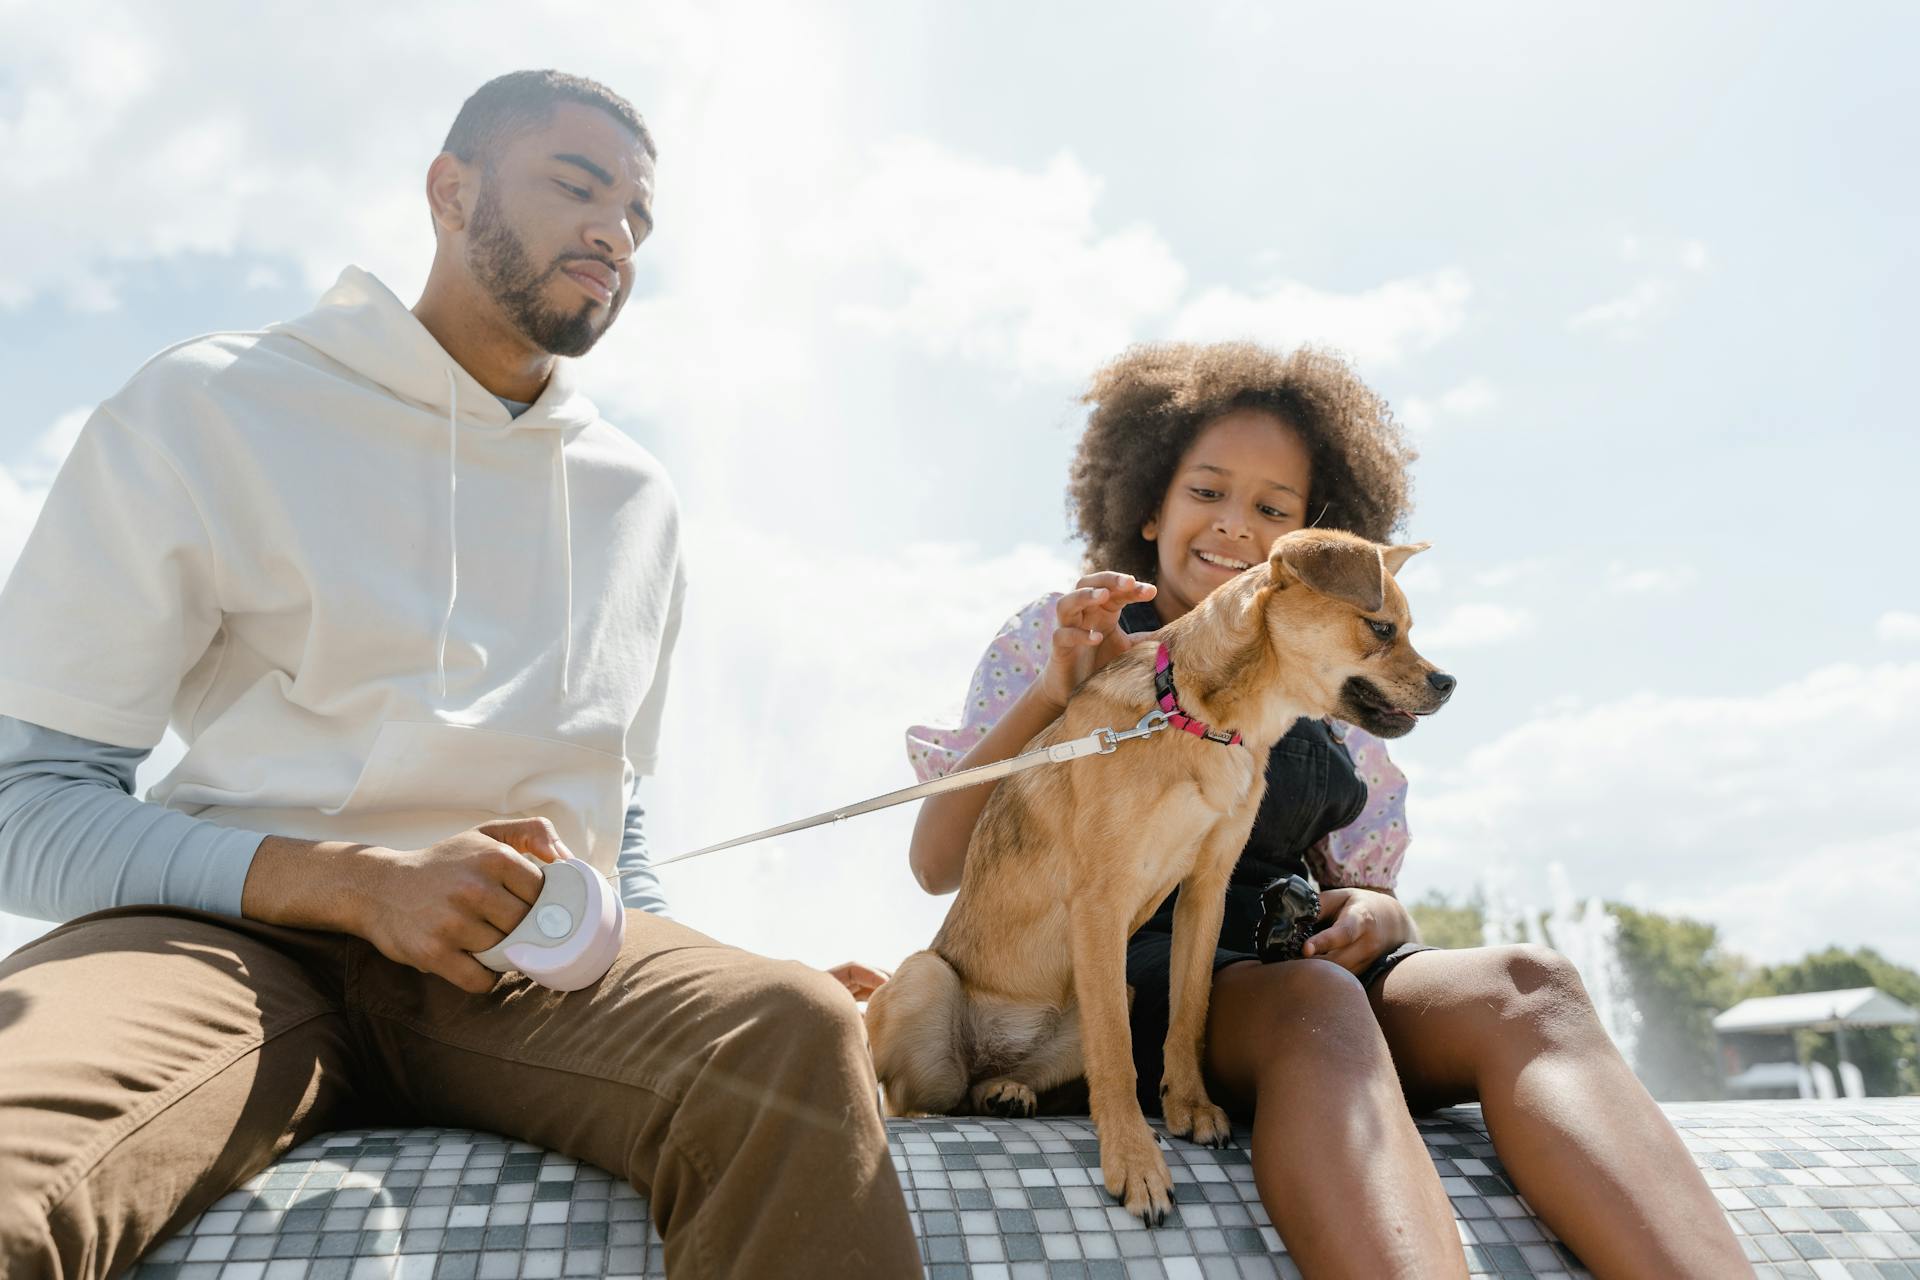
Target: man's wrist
{"points": [[312, 884]]}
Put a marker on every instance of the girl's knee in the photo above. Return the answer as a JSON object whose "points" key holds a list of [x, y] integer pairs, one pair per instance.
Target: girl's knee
{"points": [[1536, 992], [1315, 1007]]}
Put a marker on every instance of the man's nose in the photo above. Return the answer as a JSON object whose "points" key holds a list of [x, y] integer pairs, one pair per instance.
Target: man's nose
{"points": [[612, 237], [1441, 683]]}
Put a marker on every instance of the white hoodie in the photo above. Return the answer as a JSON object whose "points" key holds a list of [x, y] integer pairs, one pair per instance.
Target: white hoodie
{"points": [[373, 605]]}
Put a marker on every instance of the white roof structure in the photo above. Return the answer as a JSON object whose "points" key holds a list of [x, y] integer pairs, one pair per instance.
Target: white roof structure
{"points": [[1818, 1011]]}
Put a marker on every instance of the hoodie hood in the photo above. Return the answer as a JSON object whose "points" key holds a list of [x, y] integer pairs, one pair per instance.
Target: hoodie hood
{"points": [[361, 324]]}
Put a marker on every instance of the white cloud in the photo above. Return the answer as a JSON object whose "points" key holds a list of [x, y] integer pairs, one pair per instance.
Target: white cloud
{"points": [[1640, 580], [1693, 256], [1897, 626], [1043, 287], [1475, 626], [1505, 575], [1723, 805], [1622, 317], [1002, 264], [1377, 327], [1467, 400]]}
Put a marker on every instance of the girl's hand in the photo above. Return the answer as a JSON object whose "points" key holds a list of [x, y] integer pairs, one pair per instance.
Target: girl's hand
{"points": [[1366, 925], [860, 980], [1088, 636]]}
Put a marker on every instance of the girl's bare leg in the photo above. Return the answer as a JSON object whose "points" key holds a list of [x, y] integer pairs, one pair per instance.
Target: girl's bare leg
{"points": [[1512, 1028], [1338, 1161]]}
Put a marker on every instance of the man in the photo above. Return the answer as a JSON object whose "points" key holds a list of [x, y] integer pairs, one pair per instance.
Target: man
{"points": [[410, 604]]}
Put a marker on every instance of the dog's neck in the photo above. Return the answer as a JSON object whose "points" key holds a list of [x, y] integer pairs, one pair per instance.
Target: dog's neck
{"points": [[1225, 668]]}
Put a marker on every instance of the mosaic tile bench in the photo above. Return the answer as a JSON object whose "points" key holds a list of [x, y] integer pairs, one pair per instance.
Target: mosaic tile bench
{"points": [[1813, 1189]]}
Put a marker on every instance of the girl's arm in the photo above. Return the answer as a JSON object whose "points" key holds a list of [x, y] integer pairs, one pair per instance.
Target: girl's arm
{"points": [[1085, 636], [945, 825]]}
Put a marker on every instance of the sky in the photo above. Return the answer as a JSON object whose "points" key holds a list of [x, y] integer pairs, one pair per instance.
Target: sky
{"points": [[1638, 279]]}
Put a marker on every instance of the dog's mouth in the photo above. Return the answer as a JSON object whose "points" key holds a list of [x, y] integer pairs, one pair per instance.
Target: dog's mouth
{"points": [[1364, 703]]}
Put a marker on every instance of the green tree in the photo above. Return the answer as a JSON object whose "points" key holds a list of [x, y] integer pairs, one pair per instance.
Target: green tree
{"points": [[1444, 923]]}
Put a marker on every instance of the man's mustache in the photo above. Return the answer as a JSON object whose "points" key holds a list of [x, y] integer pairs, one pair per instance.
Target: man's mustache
{"points": [[560, 264]]}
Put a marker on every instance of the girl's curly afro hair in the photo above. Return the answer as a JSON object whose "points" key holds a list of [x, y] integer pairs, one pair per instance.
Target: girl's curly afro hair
{"points": [[1150, 404]]}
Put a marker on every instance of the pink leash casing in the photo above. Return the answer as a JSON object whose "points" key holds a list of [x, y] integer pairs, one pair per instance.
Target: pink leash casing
{"points": [[569, 936]]}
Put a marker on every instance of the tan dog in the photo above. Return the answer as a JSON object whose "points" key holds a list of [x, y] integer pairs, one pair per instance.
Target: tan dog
{"points": [[1025, 986]]}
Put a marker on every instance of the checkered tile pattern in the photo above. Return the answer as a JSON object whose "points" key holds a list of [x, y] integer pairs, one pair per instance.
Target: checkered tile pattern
{"points": [[1814, 1190]]}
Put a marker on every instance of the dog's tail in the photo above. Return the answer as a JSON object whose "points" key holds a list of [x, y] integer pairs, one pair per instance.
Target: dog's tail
{"points": [[915, 1025]]}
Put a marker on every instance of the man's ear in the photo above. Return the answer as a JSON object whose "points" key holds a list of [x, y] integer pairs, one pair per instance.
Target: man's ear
{"points": [[1394, 557], [450, 190], [1345, 568]]}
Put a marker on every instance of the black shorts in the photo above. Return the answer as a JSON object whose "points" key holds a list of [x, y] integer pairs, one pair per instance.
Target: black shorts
{"points": [[1149, 973]]}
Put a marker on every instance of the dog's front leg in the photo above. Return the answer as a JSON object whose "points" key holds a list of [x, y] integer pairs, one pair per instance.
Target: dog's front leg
{"points": [[1131, 1165], [1189, 1112]]}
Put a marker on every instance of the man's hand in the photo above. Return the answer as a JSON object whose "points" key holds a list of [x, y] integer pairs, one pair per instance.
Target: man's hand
{"points": [[433, 908], [1366, 925], [1088, 634], [860, 980]]}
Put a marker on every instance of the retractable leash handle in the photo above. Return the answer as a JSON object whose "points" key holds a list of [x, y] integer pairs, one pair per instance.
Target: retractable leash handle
{"points": [[570, 935]]}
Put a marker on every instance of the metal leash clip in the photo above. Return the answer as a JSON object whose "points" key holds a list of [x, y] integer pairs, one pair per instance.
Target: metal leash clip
{"points": [[1151, 723]]}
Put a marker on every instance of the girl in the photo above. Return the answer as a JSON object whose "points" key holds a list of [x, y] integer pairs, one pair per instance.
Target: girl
{"points": [[1194, 460]]}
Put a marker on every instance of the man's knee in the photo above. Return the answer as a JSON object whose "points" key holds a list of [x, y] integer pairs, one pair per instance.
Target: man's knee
{"points": [[795, 1004]]}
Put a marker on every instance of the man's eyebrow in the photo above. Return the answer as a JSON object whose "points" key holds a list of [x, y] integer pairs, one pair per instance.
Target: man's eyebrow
{"points": [[606, 180], [1271, 484]]}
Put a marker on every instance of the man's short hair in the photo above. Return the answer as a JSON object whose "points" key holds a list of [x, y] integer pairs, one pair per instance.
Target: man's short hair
{"points": [[507, 104]]}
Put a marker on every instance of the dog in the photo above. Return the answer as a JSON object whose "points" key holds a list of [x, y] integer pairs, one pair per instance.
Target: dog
{"points": [[1024, 988]]}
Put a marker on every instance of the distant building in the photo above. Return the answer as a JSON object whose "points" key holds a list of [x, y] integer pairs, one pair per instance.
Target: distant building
{"points": [[1760, 1058]]}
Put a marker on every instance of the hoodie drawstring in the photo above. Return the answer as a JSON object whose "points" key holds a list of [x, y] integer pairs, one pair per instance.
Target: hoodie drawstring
{"points": [[566, 525], [453, 540], [453, 523]]}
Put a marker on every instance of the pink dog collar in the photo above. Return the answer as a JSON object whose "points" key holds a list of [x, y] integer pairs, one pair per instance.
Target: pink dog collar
{"points": [[1170, 703]]}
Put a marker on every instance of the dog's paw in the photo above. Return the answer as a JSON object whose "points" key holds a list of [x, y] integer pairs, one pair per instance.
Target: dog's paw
{"points": [[1008, 1099], [1196, 1119], [1136, 1173]]}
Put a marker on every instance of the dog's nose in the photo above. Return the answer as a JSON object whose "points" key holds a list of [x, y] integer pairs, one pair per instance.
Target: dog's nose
{"points": [[1441, 683]]}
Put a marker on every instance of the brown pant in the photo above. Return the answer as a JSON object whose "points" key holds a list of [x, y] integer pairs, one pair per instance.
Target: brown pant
{"points": [[153, 1058]]}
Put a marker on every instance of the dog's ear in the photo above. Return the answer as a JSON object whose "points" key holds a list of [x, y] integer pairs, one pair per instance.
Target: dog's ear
{"points": [[1394, 557], [1345, 568]]}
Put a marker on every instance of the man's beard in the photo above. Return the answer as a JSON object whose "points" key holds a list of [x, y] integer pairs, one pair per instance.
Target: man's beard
{"points": [[500, 262]]}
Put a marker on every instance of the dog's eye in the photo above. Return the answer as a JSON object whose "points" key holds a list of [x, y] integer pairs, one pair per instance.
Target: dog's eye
{"points": [[1382, 629]]}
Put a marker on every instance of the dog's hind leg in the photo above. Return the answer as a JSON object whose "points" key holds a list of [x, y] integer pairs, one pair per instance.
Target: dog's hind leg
{"points": [[915, 1031], [1015, 1094]]}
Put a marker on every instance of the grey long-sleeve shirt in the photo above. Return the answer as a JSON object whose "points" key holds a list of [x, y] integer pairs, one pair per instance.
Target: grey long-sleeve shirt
{"points": [[75, 839]]}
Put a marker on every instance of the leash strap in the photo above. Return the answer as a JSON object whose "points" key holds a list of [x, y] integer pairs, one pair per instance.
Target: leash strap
{"points": [[1101, 742]]}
